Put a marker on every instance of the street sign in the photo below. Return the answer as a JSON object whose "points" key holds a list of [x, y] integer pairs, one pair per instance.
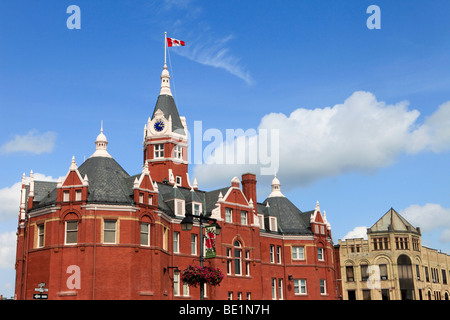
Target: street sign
{"points": [[40, 296]]}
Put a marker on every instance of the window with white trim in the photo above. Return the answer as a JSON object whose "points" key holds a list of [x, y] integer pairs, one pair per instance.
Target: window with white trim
{"points": [[323, 287], [179, 207], [145, 234], [193, 244], [159, 151], [178, 152], [228, 215], [273, 224], [41, 233], [66, 196], [300, 286], [78, 195], [109, 231], [298, 253], [176, 242], [176, 283], [320, 254], [71, 232]]}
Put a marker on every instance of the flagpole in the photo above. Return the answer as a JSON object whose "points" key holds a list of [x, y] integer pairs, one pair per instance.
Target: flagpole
{"points": [[165, 48]]}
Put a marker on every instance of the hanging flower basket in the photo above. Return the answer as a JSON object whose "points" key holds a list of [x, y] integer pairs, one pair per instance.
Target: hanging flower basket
{"points": [[194, 276]]}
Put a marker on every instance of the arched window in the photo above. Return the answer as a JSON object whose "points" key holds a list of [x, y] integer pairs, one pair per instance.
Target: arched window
{"points": [[405, 277], [237, 258]]}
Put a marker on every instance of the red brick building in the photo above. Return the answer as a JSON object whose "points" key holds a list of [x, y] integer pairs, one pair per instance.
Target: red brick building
{"points": [[100, 233]]}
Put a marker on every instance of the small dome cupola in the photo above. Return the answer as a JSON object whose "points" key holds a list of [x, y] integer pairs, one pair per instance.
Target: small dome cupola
{"points": [[101, 144], [165, 82], [276, 188]]}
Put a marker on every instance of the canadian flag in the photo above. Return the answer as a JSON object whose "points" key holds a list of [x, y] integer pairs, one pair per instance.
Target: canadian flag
{"points": [[174, 42]]}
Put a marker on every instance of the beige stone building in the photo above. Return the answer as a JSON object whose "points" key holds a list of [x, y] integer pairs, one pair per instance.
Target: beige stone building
{"points": [[392, 264]]}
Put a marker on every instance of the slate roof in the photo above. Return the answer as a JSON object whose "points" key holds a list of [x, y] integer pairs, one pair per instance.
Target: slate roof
{"points": [[166, 104], [290, 219], [108, 181]]}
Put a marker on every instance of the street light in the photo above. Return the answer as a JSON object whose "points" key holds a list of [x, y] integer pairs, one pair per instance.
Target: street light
{"points": [[186, 225]]}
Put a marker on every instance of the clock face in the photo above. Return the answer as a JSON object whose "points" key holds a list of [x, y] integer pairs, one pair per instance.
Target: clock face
{"points": [[159, 125]]}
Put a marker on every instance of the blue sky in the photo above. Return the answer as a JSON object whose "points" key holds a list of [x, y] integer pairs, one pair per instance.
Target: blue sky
{"points": [[363, 114]]}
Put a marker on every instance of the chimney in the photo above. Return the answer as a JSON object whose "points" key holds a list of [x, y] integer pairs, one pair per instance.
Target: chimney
{"points": [[249, 186]]}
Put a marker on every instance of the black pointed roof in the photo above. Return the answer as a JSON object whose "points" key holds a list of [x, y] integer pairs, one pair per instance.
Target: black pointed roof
{"points": [[167, 105]]}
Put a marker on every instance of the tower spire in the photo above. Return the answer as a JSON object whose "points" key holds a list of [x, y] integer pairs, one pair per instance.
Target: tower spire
{"points": [[101, 145]]}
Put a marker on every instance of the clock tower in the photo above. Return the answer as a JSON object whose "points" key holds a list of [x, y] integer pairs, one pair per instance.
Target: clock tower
{"points": [[166, 140]]}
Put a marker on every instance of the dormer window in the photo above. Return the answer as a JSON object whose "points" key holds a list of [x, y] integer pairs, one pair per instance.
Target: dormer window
{"points": [[273, 224], [196, 208], [179, 207], [178, 181]]}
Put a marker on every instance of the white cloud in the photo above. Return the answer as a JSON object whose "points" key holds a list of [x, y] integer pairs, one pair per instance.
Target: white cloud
{"points": [[10, 197], [7, 250], [356, 233], [430, 218], [32, 142], [361, 134]]}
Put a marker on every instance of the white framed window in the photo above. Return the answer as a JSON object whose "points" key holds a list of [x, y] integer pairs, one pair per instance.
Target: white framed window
{"points": [[230, 295], [228, 215], [244, 217], [109, 231], [320, 254], [273, 224], [274, 288], [249, 296], [159, 151], [165, 238], [322, 230], [323, 287], [145, 234], [150, 199], [178, 152], [78, 195], [141, 198], [247, 263], [237, 258], [41, 233], [300, 286], [71, 232], [196, 208], [66, 196], [193, 244], [272, 253], [239, 296], [278, 254], [261, 221], [185, 290], [176, 283], [229, 259], [178, 180], [298, 253], [179, 207], [176, 242], [280, 289]]}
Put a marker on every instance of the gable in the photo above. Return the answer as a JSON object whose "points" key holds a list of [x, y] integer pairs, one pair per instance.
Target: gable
{"points": [[235, 195]]}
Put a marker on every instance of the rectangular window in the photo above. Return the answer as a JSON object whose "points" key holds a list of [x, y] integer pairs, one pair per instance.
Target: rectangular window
{"points": [[228, 215], [229, 261], [444, 276], [179, 207], [272, 253], [280, 289], [418, 272], [41, 230], [323, 286], [66, 196], [278, 254], [298, 253], [176, 242], [237, 262], [320, 254], [178, 152], [244, 217], [230, 295], [364, 272], [71, 232], [249, 296], [300, 286], [159, 151], [273, 224], [78, 195], [427, 276], [109, 231], [197, 209], [185, 290], [193, 244], [165, 238], [274, 288], [383, 272], [366, 294], [176, 283], [141, 198], [239, 296], [179, 181], [150, 199], [145, 234], [261, 221], [349, 273]]}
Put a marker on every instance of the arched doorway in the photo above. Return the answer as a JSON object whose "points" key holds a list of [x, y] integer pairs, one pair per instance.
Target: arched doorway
{"points": [[405, 277]]}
